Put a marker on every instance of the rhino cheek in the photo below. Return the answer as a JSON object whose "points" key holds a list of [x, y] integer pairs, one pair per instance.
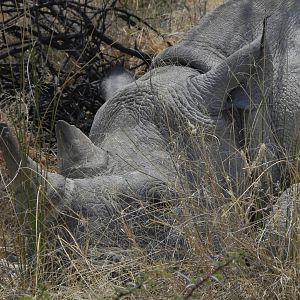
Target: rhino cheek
{"points": [[60, 193]]}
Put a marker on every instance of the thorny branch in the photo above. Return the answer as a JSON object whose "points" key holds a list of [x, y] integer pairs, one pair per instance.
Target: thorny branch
{"points": [[65, 25], [199, 283], [64, 41]]}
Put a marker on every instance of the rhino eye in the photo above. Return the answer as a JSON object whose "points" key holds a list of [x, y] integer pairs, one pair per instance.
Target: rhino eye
{"points": [[157, 192]]}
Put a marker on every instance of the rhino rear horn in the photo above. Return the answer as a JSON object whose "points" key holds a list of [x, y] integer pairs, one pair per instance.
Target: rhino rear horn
{"points": [[78, 157]]}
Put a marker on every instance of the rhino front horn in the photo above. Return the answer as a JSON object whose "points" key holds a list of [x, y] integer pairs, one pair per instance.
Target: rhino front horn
{"points": [[27, 176], [10, 149]]}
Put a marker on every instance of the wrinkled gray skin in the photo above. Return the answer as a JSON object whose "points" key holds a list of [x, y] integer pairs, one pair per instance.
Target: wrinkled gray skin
{"points": [[219, 80], [282, 230]]}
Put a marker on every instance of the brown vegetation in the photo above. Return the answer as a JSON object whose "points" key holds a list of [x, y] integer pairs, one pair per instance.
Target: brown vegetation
{"points": [[243, 269]]}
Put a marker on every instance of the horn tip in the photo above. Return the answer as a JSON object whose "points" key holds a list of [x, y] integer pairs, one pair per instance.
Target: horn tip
{"points": [[4, 130]]}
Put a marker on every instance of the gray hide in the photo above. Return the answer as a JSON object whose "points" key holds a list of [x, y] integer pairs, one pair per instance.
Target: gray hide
{"points": [[282, 230], [223, 80]]}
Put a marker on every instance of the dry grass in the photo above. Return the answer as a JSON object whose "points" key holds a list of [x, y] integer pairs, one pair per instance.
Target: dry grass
{"points": [[228, 260]]}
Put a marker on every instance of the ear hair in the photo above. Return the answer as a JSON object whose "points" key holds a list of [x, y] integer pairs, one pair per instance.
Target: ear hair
{"points": [[115, 80]]}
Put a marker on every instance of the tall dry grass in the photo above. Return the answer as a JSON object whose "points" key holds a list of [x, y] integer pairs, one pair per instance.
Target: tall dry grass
{"points": [[229, 255]]}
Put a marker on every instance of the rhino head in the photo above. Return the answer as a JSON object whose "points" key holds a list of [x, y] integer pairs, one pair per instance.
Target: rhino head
{"points": [[113, 184]]}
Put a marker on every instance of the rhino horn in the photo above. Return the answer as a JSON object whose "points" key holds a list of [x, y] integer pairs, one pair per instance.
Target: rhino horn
{"points": [[27, 175], [10, 150], [77, 155]]}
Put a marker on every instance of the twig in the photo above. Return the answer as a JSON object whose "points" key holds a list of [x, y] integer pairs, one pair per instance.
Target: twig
{"points": [[206, 278], [128, 292]]}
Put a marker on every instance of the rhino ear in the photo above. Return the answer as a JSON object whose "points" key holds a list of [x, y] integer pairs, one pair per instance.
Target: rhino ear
{"points": [[116, 79], [78, 157], [228, 77]]}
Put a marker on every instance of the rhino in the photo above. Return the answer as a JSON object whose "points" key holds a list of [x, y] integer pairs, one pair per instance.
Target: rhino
{"points": [[225, 95]]}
